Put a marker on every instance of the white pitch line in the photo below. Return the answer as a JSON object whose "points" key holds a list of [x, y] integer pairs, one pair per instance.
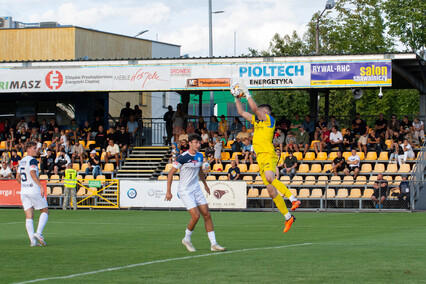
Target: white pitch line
{"points": [[158, 261]]}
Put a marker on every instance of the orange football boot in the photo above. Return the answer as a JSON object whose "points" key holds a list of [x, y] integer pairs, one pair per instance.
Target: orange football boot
{"points": [[295, 205], [288, 223]]}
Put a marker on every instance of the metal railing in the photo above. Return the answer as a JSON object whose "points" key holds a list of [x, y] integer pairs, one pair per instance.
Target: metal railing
{"points": [[417, 179]]}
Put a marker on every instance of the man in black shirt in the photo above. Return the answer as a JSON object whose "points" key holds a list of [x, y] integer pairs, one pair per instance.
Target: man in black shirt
{"points": [[381, 126], [349, 140], [290, 164], [234, 171], [380, 190], [126, 112], [94, 164], [100, 139], [405, 128], [359, 127], [339, 163], [47, 163], [169, 124]]}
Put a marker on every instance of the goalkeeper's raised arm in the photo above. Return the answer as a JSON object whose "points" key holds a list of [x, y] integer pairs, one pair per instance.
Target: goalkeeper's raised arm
{"points": [[260, 115]]}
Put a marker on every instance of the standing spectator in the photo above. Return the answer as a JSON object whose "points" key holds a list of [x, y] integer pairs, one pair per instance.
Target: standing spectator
{"points": [[132, 129], [70, 191], [325, 138], [302, 139], [112, 152], [126, 112], [333, 122], [309, 126], [56, 138], [381, 126], [236, 128], [22, 136], [336, 139], [100, 139], [279, 139], [5, 171], [77, 152], [374, 142], [86, 132], [201, 124], [10, 139], [290, 142], [406, 128], [213, 125], [353, 162], [339, 163], [178, 121], [138, 113], [61, 162], [393, 126], [123, 140], [223, 127], [295, 123], [15, 160], [290, 164], [233, 172], [218, 150], [319, 128], [94, 164], [418, 130], [363, 142], [168, 118], [74, 130], [47, 163], [380, 189], [408, 152], [33, 123], [404, 192]]}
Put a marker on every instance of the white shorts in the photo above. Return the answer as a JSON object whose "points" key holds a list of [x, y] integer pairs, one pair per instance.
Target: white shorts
{"points": [[36, 201], [192, 199]]}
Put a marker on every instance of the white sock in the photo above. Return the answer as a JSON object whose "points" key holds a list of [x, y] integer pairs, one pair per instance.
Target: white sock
{"points": [[29, 224], [188, 234], [42, 222], [212, 238], [287, 216], [292, 198]]}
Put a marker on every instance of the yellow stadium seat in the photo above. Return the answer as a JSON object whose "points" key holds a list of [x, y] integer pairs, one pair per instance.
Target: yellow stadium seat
{"points": [[316, 168], [335, 180], [235, 154], [103, 156], [223, 178], [89, 143], [392, 168], [332, 156], [322, 156], [54, 179], [284, 155], [248, 179], [2, 144], [346, 155], [404, 168], [348, 180], [227, 167], [371, 156], [285, 179], [304, 193], [366, 168], [228, 144], [316, 193], [297, 180], [372, 180], [76, 166], [258, 180], [331, 193], [342, 193], [389, 179], [264, 193], [309, 156], [303, 168], [327, 167], [360, 180], [388, 143], [312, 143], [368, 192], [384, 156], [109, 167], [101, 177], [83, 167], [309, 180], [81, 191], [253, 193], [43, 177], [225, 156], [254, 168], [379, 168], [322, 180], [243, 168], [293, 192], [57, 190], [168, 168], [298, 155], [217, 168], [211, 178], [361, 155], [355, 193], [162, 177]]}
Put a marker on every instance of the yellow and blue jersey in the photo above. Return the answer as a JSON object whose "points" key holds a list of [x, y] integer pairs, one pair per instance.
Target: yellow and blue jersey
{"points": [[263, 135]]}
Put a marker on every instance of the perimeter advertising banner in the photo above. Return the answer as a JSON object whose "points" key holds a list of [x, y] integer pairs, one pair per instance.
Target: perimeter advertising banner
{"points": [[151, 194], [10, 192], [202, 76]]}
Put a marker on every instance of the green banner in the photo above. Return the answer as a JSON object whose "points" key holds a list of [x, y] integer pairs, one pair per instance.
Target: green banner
{"points": [[95, 183]]}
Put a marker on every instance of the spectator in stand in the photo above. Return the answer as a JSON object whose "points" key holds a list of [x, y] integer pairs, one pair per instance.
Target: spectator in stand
{"points": [[339, 163], [218, 150], [10, 139], [51, 128], [418, 130], [190, 129], [353, 162], [68, 148], [184, 146], [234, 171], [325, 138], [95, 125], [290, 142], [395, 148], [138, 113], [374, 142], [112, 152], [243, 133], [7, 125], [61, 162], [132, 129], [209, 153], [34, 135], [56, 138], [22, 136], [86, 132], [183, 135], [380, 126], [362, 143], [44, 131], [236, 128], [5, 171], [408, 152], [223, 127], [279, 139], [74, 129], [404, 192], [77, 152], [359, 127], [302, 139], [94, 164], [126, 112], [333, 122], [336, 139], [112, 134], [309, 126], [201, 124], [43, 150], [393, 126], [178, 121], [121, 122], [290, 165], [123, 140], [5, 158], [247, 152], [204, 138], [174, 153], [406, 128], [47, 163], [295, 123], [21, 124], [380, 189], [284, 124], [319, 126], [33, 124], [63, 140], [349, 140], [168, 118], [213, 125]]}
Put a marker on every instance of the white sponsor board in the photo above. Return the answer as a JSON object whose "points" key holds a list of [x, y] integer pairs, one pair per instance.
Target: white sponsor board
{"points": [[151, 194]]}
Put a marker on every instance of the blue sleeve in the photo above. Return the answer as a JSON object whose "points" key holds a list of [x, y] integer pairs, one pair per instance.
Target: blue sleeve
{"points": [[271, 120], [33, 162]]}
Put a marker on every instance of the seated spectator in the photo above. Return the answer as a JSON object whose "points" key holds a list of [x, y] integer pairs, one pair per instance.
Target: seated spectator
{"points": [[5, 158], [204, 138], [100, 139], [78, 152], [381, 126], [112, 134], [15, 160], [359, 127], [68, 148], [309, 127], [184, 146], [289, 166], [325, 138], [333, 122], [243, 133], [236, 128], [406, 128], [34, 134], [408, 152], [63, 140], [418, 130], [10, 139], [380, 189], [209, 153], [132, 129], [290, 142], [174, 153], [284, 124], [22, 137], [302, 139], [121, 122], [234, 171], [33, 124], [94, 164], [296, 123], [47, 163], [190, 129], [319, 128], [279, 139], [86, 132], [95, 125], [123, 140], [61, 162], [138, 113], [223, 127], [183, 135], [112, 152], [218, 150], [206, 165], [44, 133], [349, 140], [43, 150], [374, 143], [353, 162], [56, 138], [339, 163], [336, 139], [74, 129], [201, 124], [21, 124], [363, 142], [280, 163], [404, 192], [5, 171], [213, 125], [392, 127], [247, 152]]}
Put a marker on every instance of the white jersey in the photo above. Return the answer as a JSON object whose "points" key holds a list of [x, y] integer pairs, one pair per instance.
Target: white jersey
{"points": [[28, 186], [352, 159], [189, 166]]}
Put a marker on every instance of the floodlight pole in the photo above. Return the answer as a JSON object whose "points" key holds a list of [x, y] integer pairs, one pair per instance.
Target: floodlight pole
{"points": [[329, 5]]}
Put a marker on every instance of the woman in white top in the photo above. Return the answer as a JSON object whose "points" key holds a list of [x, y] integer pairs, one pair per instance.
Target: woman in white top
{"points": [[418, 129], [408, 152]]}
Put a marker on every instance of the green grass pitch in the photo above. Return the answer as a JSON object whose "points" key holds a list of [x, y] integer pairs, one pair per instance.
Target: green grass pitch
{"points": [[145, 247]]}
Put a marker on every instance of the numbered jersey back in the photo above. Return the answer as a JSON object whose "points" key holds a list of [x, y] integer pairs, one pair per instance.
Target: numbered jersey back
{"points": [[26, 165]]}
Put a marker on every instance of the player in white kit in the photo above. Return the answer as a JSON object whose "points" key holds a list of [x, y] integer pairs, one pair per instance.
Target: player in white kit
{"points": [[189, 191], [32, 194]]}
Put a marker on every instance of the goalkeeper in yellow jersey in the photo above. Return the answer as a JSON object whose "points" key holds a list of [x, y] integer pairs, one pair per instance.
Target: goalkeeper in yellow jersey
{"points": [[264, 127]]}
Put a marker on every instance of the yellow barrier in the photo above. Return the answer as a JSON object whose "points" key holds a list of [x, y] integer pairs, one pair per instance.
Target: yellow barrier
{"points": [[89, 196]]}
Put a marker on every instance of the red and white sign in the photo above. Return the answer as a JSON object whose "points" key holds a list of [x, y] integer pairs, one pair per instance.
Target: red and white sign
{"points": [[10, 192], [54, 80]]}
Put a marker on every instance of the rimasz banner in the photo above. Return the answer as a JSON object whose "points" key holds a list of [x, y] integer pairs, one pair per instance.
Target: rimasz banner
{"points": [[205, 76], [151, 194]]}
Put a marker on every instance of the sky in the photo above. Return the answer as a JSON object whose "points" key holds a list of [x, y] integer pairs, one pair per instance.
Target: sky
{"points": [[180, 22]]}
